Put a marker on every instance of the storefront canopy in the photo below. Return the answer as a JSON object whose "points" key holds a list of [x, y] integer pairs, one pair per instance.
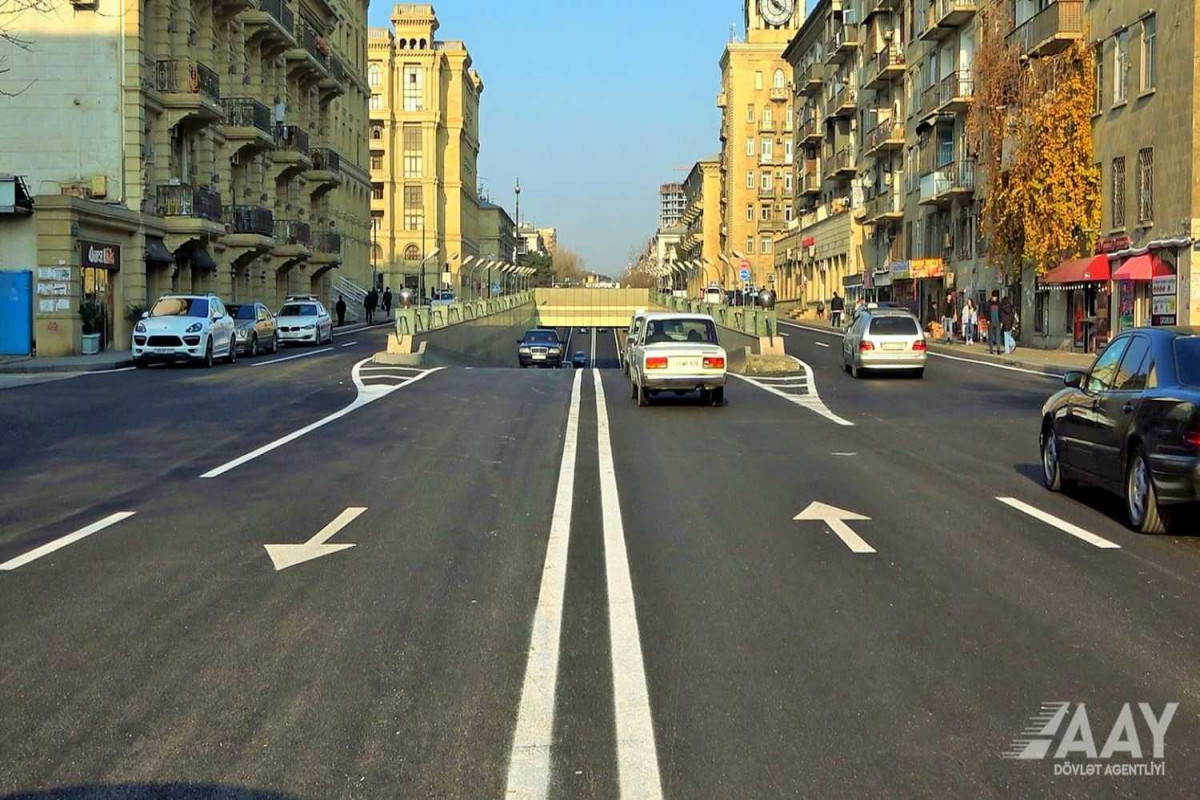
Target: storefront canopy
{"points": [[157, 252], [1145, 267], [202, 260], [1080, 270]]}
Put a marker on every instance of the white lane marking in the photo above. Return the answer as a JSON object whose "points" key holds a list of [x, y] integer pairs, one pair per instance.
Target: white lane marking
{"points": [[637, 756], [105, 371], [843, 454], [821, 344], [1062, 525], [367, 393], [293, 358], [349, 344], [70, 538], [617, 344], [836, 518], [529, 760], [567, 346], [289, 555], [825, 331], [810, 400], [593, 354], [784, 335]]}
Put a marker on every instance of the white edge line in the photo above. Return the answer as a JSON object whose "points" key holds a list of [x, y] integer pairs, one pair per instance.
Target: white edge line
{"points": [[1061, 524], [349, 344], [529, 759], [293, 358], [70, 538], [637, 755], [821, 344]]}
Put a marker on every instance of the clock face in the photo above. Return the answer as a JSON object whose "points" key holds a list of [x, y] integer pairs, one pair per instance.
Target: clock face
{"points": [[776, 12]]}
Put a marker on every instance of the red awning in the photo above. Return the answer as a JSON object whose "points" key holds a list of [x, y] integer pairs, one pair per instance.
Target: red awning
{"points": [[1094, 268], [1145, 267]]}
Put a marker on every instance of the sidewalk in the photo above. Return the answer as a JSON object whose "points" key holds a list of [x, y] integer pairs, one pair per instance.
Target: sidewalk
{"points": [[1049, 362], [24, 365]]}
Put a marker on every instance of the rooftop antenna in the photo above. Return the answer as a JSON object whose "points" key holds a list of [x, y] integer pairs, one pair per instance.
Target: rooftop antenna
{"points": [[733, 31]]}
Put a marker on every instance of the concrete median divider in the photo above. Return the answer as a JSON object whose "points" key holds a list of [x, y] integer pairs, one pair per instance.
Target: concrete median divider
{"points": [[481, 333]]}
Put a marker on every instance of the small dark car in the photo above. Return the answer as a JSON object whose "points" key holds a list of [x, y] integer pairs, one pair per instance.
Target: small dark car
{"points": [[579, 360], [540, 348], [1131, 425]]}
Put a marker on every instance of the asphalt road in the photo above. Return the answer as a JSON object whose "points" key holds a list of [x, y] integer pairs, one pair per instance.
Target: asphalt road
{"points": [[555, 590]]}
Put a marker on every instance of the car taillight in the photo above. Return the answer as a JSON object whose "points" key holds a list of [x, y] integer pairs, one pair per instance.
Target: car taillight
{"points": [[919, 344], [714, 363], [864, 346], [656, 362], [1192, 437]]}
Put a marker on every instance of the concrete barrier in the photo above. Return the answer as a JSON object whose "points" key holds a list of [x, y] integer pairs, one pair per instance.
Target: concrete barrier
{"points": [[483, 333]]}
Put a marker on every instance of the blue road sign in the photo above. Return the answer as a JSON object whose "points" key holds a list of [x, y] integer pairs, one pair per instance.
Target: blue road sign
{"points": [[495, 288], [744, 274]]}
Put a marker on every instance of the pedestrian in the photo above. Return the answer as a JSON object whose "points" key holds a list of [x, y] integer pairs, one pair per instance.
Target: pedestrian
{"points": [[369, 303], [340, 309], [970, 318], [1007, 318], [835, 310], [859, 307], [387, 302], [820, 309], [993, 309], [949, 316]]}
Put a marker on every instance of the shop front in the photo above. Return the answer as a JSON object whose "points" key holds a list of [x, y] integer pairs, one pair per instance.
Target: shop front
{"points": [[853, 289], [918, 285], [1147, 290], [1072, 305]]}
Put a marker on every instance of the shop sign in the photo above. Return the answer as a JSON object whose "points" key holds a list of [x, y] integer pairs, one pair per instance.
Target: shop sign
{"points": [[96, 255], [851, 281], [1124, 305], [1163, 302], [927, 268], [900, 271], [808, 241], [1111, 244]]}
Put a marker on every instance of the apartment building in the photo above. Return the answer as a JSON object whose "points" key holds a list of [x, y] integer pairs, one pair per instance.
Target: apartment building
{"points": [[756, 139], [550, 239], [424, 143], [670, 204], [187, 147], [530, 241], [700, 240]]}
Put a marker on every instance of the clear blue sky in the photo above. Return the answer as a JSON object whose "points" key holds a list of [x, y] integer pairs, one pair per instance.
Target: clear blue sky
{"points": [[591, 104]]}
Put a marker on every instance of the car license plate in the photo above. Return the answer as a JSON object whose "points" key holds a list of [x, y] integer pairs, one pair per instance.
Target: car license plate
{"points": [[539, 356], [688, 363], [893, 346], [162, 351]]}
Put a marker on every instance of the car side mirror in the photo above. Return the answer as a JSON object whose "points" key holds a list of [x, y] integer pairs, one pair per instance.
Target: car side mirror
{"points": [[1073, 378], [145, 315]]}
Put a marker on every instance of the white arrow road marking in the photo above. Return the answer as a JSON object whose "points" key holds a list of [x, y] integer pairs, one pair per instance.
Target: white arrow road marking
{"points": [[292, 358], [637, 756], [1061, 524], [367, 393], [529, 760], [810, 400], [70, 538], [289, 555], [836, 519]]}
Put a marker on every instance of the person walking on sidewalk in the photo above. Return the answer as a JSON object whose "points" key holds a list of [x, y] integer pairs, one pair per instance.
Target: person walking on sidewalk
{"points": [[339, 308], [835, 310], [1007, 317], [387, 302], [993, 309], [369, 303], [970, 318], [949, 315]]}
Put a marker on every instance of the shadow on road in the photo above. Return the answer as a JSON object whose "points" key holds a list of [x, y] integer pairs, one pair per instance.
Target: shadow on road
{"points": [[150, 791]]}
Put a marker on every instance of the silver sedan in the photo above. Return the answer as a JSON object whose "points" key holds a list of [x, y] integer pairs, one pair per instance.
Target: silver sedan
{"points": [[884, 339]]}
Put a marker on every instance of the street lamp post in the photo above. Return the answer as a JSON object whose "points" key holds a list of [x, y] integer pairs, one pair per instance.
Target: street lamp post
{"points": [[424, 261]]}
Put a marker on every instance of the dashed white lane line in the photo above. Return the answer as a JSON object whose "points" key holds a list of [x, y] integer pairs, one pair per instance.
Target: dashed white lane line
{"points": [[293, 358], [820, 344], [1061, 524], [637, 756], [70, 538], [529, 760], [593, 350], [349, 344]]}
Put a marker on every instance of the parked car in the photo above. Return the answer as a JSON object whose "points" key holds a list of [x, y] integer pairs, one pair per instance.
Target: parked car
{"points": [[255, 328], [539, 348], [1131, 425], [635, 327], [579, 360], [884, 339], [678, 353], [713, 294], [184, 327], [443, 297], [304, 321]]}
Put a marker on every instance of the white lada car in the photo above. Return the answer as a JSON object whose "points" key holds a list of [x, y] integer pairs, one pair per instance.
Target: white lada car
{"points": [[678, 353]]}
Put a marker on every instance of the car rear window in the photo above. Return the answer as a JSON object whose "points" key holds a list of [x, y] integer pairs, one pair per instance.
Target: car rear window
{"points": [[700, 331], [241, 311], [180, 307], [1187, 358], [305, 310], [894, 326]]}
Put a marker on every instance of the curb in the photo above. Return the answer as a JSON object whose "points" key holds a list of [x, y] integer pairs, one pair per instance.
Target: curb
{"points": [[29, 368]]}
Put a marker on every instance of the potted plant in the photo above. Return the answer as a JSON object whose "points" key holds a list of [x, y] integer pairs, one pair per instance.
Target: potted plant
{"points": [[134, 311], [91, 314]]}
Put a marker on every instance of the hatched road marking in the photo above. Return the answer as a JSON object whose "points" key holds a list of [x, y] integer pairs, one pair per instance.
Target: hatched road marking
{"points": [[799, 389]]}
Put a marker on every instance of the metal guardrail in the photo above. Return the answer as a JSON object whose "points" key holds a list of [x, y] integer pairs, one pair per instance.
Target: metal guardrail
{"points": [[1060, 19], [328, 243], [416, 320], [253, 219], [326, 159], [246, 112], [885, 131], [292, 231], [292, 137], [186, 200], [280, 11], [187, 76]]}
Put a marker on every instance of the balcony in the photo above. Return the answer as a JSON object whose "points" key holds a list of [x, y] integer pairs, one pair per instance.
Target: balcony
{"points": [[811, 131], [327, 251], [941, 186], [885, 66], [811, 78], [248, 124], [873, 7], [1049, 31], [883, 208], [943, 16], [954, 92], [335, 83], [186, 200], [326, 169], [292, 238], [292, 148], [810, 182], [840, 164], [780, 94], [844, 102], [766, 193], [722, 100], [189, 90], [271, 21], [767, 125], [311, 54], [842, 44], [885, 136], [251, 227]]}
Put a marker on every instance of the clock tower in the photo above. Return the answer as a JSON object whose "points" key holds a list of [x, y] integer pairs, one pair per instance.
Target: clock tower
{"points": [[773, 20]]}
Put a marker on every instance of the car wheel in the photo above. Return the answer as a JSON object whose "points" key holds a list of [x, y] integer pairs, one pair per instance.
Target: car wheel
{"points": [[632, 388], [919, 373], [331, 334], [855, 372], [1051, 466], [705, 397], [232, 349], [208, 354], [275, 342], [254, 344], [642, 399], [1141, 501], [718, 396]]}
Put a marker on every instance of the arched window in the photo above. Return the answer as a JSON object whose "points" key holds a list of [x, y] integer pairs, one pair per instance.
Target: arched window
{"points": [[412, 253], [376, 253], [374, 74], [779, 79]]}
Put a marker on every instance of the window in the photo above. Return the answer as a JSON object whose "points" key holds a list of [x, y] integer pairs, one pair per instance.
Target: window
{"points": [[377, 132], [1098, 99], [1145, 185], [749, 212], [768, 117], [779, 79], [374, 74], [412, 253], [1135, 366], [1103, 371], [787, 210], [767, 184], [414, 162], [1149, 52], [376, 101], [787, 182], [787, 119], [414, 87], [750, 112], [768, 150], [377, 191], [1118, 192], [788, 153], [376, 162], [758, 81], [1187, 360], [414, 208], [894, 325], [749, 244], [765, 213], [750, 146], [1041, 312], [1121, 67], [749, 179], [766, 244]]}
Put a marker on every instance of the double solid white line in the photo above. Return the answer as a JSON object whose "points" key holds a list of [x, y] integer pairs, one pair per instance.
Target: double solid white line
{"points": [[637, 757]]}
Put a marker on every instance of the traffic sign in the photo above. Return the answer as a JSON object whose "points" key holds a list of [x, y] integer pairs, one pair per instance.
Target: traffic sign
{"points": [[495, 288], [744, 274]]}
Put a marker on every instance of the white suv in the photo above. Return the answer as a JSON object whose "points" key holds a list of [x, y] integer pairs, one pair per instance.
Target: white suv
{"points": [[185, 327]]}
